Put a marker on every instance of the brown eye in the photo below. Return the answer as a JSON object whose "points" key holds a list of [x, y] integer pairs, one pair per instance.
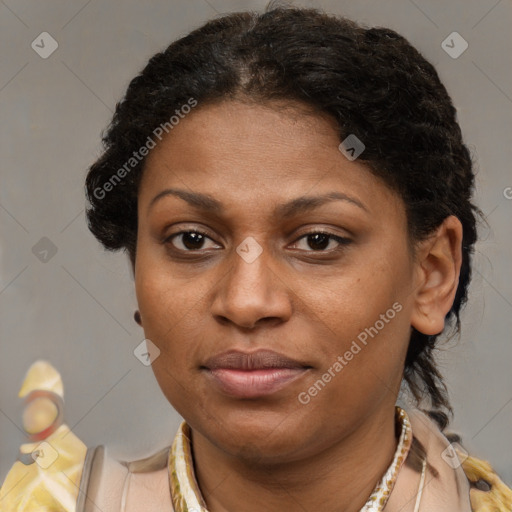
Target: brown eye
{"points": [[188, 240], [319, 241]]}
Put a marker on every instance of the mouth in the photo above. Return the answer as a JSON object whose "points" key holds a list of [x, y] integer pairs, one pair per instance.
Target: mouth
{"points": [[252, 375]]}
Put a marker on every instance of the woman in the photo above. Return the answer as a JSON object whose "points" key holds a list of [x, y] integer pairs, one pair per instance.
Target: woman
{"points": [[294, 195]]}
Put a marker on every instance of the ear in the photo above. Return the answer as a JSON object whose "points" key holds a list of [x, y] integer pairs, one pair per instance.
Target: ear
{"points": [[438, 262]]}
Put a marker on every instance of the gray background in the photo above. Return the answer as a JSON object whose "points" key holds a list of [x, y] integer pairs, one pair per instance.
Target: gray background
{"points": [[76, 309]]}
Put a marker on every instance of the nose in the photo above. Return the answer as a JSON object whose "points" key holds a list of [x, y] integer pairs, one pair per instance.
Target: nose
{"points": [[252, 293]]}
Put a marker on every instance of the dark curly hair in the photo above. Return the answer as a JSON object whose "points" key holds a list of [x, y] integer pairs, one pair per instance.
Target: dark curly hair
{"points": [[370, 80]]}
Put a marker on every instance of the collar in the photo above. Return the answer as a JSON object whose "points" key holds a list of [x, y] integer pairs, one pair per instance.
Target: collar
{"points": [[186, 495]]}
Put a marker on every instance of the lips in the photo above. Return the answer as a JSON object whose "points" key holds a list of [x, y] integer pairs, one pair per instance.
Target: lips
{"points": [[260, 360], [252, 375]]}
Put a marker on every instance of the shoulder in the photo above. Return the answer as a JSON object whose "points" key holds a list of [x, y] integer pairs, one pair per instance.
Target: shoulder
{"points": [[488, 493], [116, 485], [455, 473], [100, 482]]}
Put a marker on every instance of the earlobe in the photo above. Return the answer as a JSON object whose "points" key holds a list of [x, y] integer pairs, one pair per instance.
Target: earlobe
{"points": [[439, 259]]}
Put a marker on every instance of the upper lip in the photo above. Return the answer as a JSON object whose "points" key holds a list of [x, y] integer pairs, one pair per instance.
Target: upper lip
{"points": [[259, 360]]}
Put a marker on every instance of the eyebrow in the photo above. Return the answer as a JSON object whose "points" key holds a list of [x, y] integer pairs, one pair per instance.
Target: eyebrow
{"points": [[295, 206]]}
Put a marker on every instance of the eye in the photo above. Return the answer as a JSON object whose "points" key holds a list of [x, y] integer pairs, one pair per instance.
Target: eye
{"points": [[320, 240], [188, 241]]}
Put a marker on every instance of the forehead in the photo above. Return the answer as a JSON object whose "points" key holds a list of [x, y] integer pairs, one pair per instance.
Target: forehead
{"points": [[234, 131], [253, 154]]}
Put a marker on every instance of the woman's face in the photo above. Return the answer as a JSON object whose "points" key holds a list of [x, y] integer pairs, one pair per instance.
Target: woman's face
{"points": [[252, 280]]}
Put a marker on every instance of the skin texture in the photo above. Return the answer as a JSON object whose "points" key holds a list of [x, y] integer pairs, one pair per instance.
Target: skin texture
{"points": [[273, 453]]}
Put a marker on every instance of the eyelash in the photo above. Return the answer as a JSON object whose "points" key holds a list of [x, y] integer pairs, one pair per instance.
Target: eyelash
{"points": [[341, 240]]}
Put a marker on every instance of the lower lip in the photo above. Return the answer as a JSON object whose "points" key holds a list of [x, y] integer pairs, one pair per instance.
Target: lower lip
{"points": [[254, 383]]}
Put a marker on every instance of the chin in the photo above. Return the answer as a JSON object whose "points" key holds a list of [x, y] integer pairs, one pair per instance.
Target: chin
{"points": [[258, 435]]}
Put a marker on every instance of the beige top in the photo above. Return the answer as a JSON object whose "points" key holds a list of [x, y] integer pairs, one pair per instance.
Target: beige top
{"points": [[114, 487]]}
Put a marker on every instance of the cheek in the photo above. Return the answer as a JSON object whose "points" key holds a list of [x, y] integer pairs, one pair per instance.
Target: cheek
{"points": [[168, 307], [163, 298], [368, 319], [166, 317], [351, 301], [362, 366]]}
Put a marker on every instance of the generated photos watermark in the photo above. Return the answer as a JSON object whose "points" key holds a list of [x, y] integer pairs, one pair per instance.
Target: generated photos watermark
{"points": [[343, 360], [143, 151], [351, 147]]}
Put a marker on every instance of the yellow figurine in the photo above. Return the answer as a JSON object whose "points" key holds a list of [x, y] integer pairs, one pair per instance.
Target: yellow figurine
{"points": [[46, 476], [488, 492]]}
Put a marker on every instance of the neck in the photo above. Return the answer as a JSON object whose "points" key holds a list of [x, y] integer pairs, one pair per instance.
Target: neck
{"points": [[339, 478]]}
